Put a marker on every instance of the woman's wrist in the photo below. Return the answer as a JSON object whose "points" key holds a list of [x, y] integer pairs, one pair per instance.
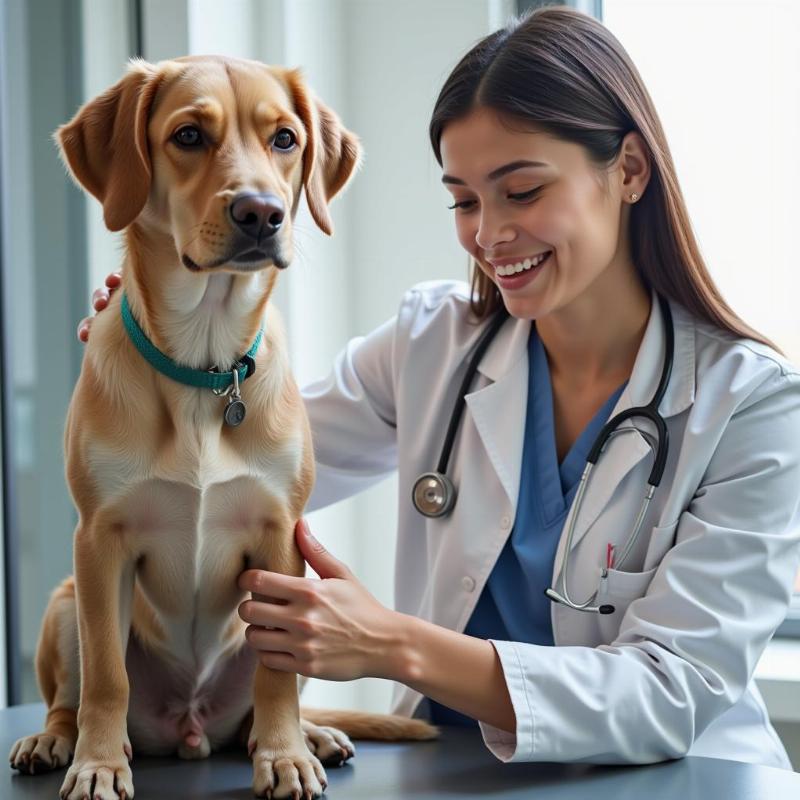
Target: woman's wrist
{"points": [[397, 659], [460, 671]]}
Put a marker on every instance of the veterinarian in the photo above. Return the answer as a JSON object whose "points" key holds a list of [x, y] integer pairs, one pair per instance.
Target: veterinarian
{"points": [[668, 564]]}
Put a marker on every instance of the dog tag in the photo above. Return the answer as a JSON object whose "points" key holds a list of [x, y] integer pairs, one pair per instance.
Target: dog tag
{"points": [[234, 411]]}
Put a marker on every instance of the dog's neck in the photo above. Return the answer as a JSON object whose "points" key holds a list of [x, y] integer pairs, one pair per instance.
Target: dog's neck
{"points": [[198, 319]]}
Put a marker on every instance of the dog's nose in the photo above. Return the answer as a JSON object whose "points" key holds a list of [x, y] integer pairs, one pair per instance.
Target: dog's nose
{"points": [[257, 215]]}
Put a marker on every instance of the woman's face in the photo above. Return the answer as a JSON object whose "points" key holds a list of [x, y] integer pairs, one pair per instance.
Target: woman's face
{"points": [[534, 213]]}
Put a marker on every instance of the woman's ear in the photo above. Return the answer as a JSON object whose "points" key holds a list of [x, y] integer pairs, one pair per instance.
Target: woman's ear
{"points": [[331, 155], [105, 145], [634, 159]]}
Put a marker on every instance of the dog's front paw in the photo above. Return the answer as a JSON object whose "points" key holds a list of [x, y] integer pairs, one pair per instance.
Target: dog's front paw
{"points": [[40, 753], [330, 745], [99, 779], [291, 772]]}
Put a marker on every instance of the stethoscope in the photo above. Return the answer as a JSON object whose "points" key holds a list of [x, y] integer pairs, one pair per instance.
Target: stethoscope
{"points": [[434, 494]]}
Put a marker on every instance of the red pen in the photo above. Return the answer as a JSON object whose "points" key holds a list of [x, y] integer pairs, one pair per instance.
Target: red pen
{"points": [[609, 555]]}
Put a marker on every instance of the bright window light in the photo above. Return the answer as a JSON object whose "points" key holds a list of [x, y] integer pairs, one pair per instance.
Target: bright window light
{"points": [[725, 78]]}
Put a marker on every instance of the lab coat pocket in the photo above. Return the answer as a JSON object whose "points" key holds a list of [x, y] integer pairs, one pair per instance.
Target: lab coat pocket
{"points": [[620, 589]]}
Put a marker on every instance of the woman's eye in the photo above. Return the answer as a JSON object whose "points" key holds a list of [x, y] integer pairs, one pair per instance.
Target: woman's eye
{"points": [[284, 139], [524, 195], [188, 136], [462, 204]]}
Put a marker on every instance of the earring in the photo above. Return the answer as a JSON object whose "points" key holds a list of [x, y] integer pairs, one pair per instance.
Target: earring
{"points": [[634, 197]]}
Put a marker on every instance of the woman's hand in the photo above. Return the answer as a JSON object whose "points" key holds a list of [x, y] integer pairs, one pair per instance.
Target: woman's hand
{"points": [[100, 299], [331, 628]]}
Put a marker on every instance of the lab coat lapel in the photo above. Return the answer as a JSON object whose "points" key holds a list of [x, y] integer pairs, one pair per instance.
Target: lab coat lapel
{"points": [[626, 450], [498, 409]]}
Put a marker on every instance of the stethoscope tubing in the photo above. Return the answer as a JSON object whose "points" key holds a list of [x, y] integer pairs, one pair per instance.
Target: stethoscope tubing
{"points": [[651, 413], [433, 493], [487, 337], [444, 492]]}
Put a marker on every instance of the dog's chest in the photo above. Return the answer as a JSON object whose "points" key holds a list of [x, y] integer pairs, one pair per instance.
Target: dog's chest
{"points": [[192, 516]]}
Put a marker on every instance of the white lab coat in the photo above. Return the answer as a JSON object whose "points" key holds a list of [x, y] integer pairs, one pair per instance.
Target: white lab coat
{"points": [[671, 672]]}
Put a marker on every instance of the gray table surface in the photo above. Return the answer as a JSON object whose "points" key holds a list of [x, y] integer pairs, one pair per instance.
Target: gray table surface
{"points": [[456, 766]]}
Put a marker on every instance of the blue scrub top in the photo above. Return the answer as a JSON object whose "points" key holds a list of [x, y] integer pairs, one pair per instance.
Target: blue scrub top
{"points": [[513, 606]]}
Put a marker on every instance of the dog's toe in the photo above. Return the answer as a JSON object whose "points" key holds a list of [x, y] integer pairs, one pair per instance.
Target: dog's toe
{"points": [[299, 777], [40, 753], [330, 745]]}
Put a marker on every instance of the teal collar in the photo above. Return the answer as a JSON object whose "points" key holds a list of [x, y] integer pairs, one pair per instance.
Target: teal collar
{"points": [[205, 379]]}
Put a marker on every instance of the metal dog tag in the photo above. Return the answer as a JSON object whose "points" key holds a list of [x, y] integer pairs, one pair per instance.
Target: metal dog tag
{"points": [[234, 411]]}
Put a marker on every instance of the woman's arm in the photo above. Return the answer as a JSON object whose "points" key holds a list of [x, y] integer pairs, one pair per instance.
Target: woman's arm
{"points": [[686, 650], [352, 417], [336, 630], [459, 671]]}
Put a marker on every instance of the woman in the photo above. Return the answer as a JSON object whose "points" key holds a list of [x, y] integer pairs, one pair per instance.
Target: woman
{"points": [[566, 198]]}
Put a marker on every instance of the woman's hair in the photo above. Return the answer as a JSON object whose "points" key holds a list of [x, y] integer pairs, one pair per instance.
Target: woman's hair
{"points": [[563, 72]]}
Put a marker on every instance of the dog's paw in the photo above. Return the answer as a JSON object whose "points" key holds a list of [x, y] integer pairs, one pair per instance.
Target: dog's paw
{"points": [[280, 774], [40, 753], [99, 779], [330, 745]]}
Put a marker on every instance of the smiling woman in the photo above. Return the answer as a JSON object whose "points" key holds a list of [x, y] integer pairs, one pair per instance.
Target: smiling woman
{"points": [[566, 199], [525, 106]]}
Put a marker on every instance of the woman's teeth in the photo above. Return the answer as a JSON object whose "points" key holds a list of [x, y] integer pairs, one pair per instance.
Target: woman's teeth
{"points": [[521, 266]]}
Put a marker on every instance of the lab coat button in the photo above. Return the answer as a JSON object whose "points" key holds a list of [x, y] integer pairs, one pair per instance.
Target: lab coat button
{"points": [[468, 583], [505, 522]]}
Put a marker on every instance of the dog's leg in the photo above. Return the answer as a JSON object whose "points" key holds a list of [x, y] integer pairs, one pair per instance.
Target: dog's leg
{"points": [[329, 745], [104, 573], [283, 766], [58, 674]]}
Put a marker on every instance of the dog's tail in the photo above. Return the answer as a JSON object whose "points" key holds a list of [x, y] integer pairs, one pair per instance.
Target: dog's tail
{"points": [[363, 725]]}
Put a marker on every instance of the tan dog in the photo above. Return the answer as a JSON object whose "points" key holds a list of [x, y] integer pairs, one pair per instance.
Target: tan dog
{"points": [[202, 162]]}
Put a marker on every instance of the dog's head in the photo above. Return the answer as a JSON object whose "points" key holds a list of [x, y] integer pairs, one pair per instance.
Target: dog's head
{"points": [[214, 152]]}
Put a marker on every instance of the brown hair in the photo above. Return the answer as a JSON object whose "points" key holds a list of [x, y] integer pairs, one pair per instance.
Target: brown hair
{"points": [[565, 73]]}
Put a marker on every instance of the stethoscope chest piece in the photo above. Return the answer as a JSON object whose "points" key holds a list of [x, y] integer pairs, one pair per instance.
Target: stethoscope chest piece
{"points": [[434, 494]]}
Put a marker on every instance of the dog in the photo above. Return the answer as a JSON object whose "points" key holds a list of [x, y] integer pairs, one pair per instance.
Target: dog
{"points": [[179, 487]]}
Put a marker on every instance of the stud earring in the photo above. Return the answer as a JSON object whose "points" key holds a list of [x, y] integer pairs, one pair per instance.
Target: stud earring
{"points": [[634, 197]]}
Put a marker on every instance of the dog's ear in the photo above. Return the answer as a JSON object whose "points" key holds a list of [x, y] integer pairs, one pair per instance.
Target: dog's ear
{"points": [[332, 152], [105, 145]]}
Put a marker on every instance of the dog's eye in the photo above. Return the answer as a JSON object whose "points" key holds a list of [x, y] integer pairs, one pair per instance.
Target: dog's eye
{"points": [[284, 139], [187, 136]]}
